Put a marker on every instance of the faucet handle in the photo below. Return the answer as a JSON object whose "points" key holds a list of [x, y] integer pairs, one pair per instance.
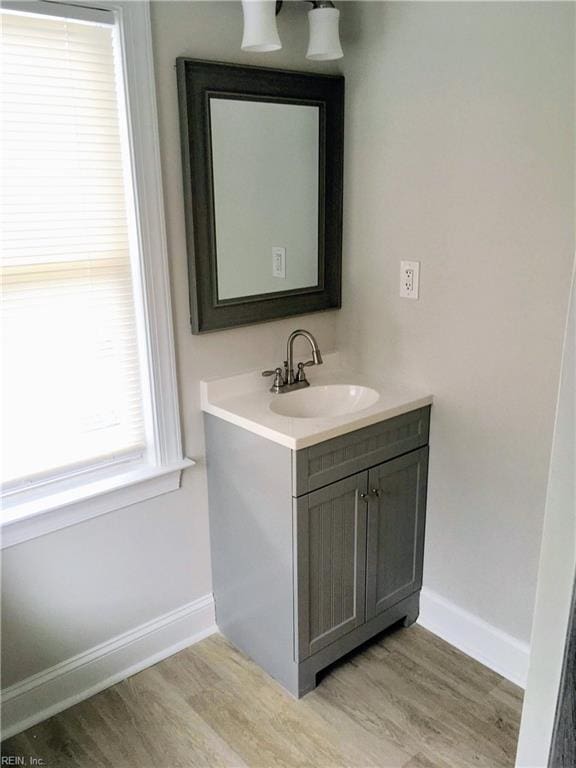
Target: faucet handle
{"points": [[278, 379], [301, 376]]}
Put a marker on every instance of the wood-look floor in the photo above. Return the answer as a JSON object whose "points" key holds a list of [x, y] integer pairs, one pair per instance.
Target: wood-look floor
{"points": [[407, 699]]}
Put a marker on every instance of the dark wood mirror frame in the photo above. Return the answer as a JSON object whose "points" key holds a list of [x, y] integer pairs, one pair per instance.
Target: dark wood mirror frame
{"points": [[197, 82]]}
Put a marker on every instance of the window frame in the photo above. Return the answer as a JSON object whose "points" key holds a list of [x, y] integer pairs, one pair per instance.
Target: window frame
{"points": [[39, 510]]}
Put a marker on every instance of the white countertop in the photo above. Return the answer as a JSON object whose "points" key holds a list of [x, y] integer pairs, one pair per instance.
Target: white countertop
{"points": [[245, 400]]}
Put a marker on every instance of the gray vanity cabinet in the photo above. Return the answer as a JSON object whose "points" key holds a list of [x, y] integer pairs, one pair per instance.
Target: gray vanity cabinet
{"points": [[317, 550], [360, 547]]}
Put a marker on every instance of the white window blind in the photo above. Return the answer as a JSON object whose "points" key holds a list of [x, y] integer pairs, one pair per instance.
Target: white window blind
{"points": [[71, 375]]}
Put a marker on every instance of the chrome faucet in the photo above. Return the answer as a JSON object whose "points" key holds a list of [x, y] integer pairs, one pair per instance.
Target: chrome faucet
{"points": [[285, 380], [316, 357]]}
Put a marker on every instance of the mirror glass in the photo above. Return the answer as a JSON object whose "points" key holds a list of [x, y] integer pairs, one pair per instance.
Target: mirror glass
{"points": [[265, 160]]}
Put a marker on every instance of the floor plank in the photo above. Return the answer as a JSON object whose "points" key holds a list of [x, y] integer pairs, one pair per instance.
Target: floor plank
{"points": [[406, 700]]}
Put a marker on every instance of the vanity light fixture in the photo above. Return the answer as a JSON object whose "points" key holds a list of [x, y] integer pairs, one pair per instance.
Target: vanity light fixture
{"points": [[261, 33], [324, 43]]}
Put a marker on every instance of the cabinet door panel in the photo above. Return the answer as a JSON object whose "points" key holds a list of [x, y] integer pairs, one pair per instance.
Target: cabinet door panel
{"points": [[396, 519], [331, 563]]}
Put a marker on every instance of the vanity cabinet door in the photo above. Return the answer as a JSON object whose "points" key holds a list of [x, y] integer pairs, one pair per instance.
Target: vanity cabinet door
{"points": [[396, 518], [330, 541]]}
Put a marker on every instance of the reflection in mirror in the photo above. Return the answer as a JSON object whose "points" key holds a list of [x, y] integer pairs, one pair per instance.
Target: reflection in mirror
{"points": [[265, 158]]}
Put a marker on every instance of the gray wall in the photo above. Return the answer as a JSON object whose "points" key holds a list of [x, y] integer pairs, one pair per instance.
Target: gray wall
{"points": [[460, 154], [68, 591]]}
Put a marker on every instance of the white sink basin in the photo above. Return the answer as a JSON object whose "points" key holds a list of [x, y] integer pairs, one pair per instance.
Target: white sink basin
{"points": [[322, 401]]}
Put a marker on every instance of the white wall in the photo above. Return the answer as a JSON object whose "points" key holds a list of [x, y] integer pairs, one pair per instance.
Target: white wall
{"points": [[66, 592], [556, 573], [460, 154]]}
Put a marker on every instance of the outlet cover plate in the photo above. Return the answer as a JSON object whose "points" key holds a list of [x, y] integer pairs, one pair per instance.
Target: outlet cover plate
{"points": [[278, 261], [409, 279]]}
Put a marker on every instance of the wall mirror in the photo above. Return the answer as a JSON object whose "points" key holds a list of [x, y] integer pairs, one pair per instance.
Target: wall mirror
{"points": [[262, 153]]}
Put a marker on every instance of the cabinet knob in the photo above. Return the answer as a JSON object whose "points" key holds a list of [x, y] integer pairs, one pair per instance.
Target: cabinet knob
{"points": [[376, 492], [364, 496]]}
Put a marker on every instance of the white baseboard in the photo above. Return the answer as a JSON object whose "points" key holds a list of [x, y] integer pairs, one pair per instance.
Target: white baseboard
{"points": [[475, 637], [45, 694]]}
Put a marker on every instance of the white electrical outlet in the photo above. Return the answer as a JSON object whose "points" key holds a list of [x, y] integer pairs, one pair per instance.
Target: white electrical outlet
{"points": [[278, 261], [409, 279]]}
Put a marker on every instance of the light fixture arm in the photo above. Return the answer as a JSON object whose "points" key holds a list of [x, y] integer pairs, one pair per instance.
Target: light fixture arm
{"points": [[313, 3]]}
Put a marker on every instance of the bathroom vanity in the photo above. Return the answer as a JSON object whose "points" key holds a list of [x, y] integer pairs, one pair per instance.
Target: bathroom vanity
{"points": [[317, 523]]}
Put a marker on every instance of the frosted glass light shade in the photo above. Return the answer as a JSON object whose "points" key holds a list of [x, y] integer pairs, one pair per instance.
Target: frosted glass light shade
{"points": [[260, 31], [324, 41]]}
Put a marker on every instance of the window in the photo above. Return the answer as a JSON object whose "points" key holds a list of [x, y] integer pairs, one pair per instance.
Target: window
{"points": [[71, 372], [84, 365]]}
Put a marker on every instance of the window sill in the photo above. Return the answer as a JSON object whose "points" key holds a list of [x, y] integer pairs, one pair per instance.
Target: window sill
{"points": [[35, 518]]}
